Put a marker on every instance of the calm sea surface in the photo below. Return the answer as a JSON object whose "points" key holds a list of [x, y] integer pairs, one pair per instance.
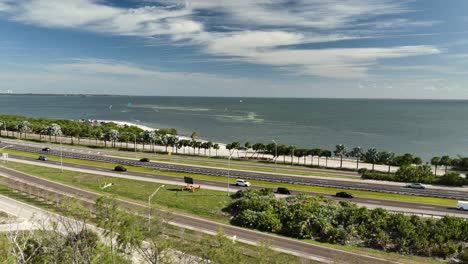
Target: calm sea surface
{"points": [[426, 128]]}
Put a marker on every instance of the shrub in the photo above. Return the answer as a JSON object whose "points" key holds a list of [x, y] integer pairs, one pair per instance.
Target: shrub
{"points": [[452, 179], [322, 219]]}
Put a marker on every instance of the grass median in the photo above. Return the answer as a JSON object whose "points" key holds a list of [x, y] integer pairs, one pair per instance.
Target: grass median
{"points": [[266, 184], [207, 203]]}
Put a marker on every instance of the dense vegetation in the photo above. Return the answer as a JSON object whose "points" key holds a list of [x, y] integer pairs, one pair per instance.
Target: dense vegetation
{"points": [[123, 237], [322, 219], [420, 174]]}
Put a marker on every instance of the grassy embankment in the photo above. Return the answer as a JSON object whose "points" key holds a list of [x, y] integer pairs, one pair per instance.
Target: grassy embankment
{"points": [[204, 203], [266, 184]]}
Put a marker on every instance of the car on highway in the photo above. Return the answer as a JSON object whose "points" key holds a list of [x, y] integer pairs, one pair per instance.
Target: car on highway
{"points": [[243, 183], [144, 160], [283, 190], [46, 149], [461, 205], [43, 158], [120, 168], [415, 186], [344, 195]]}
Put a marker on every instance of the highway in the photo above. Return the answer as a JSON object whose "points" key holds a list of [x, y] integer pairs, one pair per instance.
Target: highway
{"points": [[296, 247], [418, 208], [272, 177]]}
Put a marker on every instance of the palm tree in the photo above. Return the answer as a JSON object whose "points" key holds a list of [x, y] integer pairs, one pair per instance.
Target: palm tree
{"points": [[290, 151], [236, 146], [198, 144], [435, 161], [194, 136], [165, 140], [247, 146], [153, 137], [54, 130], [445, 161], [315, 152], [23, 127], [371, 156], [209, 145], [386, 158], [216, 148], [340, 150], [327, 154], [113, 136], [357, 154]]}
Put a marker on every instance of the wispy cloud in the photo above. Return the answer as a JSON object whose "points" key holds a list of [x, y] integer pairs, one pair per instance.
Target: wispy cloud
{"points": [[262, 32]]}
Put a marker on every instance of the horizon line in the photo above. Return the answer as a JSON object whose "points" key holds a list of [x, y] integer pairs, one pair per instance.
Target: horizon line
{"points": [[237, 97]]}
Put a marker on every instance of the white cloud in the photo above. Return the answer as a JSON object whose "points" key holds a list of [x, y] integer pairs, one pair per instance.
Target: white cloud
{"points": [[324, 14], [94, 16], [299, 23]]}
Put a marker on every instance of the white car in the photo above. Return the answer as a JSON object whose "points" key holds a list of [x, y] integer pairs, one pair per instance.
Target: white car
{"points": [[461, 205], [242, 183], [415, 186]]}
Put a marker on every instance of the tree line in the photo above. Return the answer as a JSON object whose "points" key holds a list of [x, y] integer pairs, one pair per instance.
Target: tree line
{"points": [[106, 132], [322, 219], [371, 155]]}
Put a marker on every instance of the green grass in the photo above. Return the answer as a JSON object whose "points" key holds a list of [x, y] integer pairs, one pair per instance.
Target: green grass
{"points": [[203, 202], [267, 184]]}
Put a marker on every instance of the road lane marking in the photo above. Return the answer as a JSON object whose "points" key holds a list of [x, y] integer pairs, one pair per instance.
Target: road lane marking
{"points": [[427, 207]]}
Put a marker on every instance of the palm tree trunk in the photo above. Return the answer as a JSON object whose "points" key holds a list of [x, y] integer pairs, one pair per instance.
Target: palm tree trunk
{"points": [[341, 161], [373, 166], [357, 164]]}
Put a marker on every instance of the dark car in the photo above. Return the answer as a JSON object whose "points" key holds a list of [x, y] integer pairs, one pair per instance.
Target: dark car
{"points": [[283, 190], [46, 149], [120, 168], [43, 158], [144, 160], [344, 195]]}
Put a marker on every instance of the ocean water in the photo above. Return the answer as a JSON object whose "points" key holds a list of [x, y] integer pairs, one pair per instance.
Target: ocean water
{"points": [[423, 127]]}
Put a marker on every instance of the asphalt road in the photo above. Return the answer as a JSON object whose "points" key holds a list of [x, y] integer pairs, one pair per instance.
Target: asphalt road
{"points": [[296, 247], [273, 177], [428, 209]]}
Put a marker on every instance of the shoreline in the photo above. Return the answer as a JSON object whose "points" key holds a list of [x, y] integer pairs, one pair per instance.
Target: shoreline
{"points": [[147, 128]]}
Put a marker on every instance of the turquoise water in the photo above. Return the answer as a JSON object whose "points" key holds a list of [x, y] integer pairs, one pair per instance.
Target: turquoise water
{"points": [[423, 127]]}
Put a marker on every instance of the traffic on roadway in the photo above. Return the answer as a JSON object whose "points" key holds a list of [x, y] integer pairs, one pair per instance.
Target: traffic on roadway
{"points": [[272, 177], [292, 246], [428, 209]]}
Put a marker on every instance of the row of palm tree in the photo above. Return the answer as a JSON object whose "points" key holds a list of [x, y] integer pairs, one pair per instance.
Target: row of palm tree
{"points": [[110, 132], [371, 155]]}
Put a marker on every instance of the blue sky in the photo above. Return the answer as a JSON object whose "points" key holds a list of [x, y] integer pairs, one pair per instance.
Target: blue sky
{"points": [[268, 48]]}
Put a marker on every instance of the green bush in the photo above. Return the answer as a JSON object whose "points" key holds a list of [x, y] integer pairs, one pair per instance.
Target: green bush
{"points": [[421, 174], [323, 219]]}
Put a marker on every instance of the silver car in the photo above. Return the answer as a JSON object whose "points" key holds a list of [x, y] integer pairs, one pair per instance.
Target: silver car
{"points": [[415, 186]]}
